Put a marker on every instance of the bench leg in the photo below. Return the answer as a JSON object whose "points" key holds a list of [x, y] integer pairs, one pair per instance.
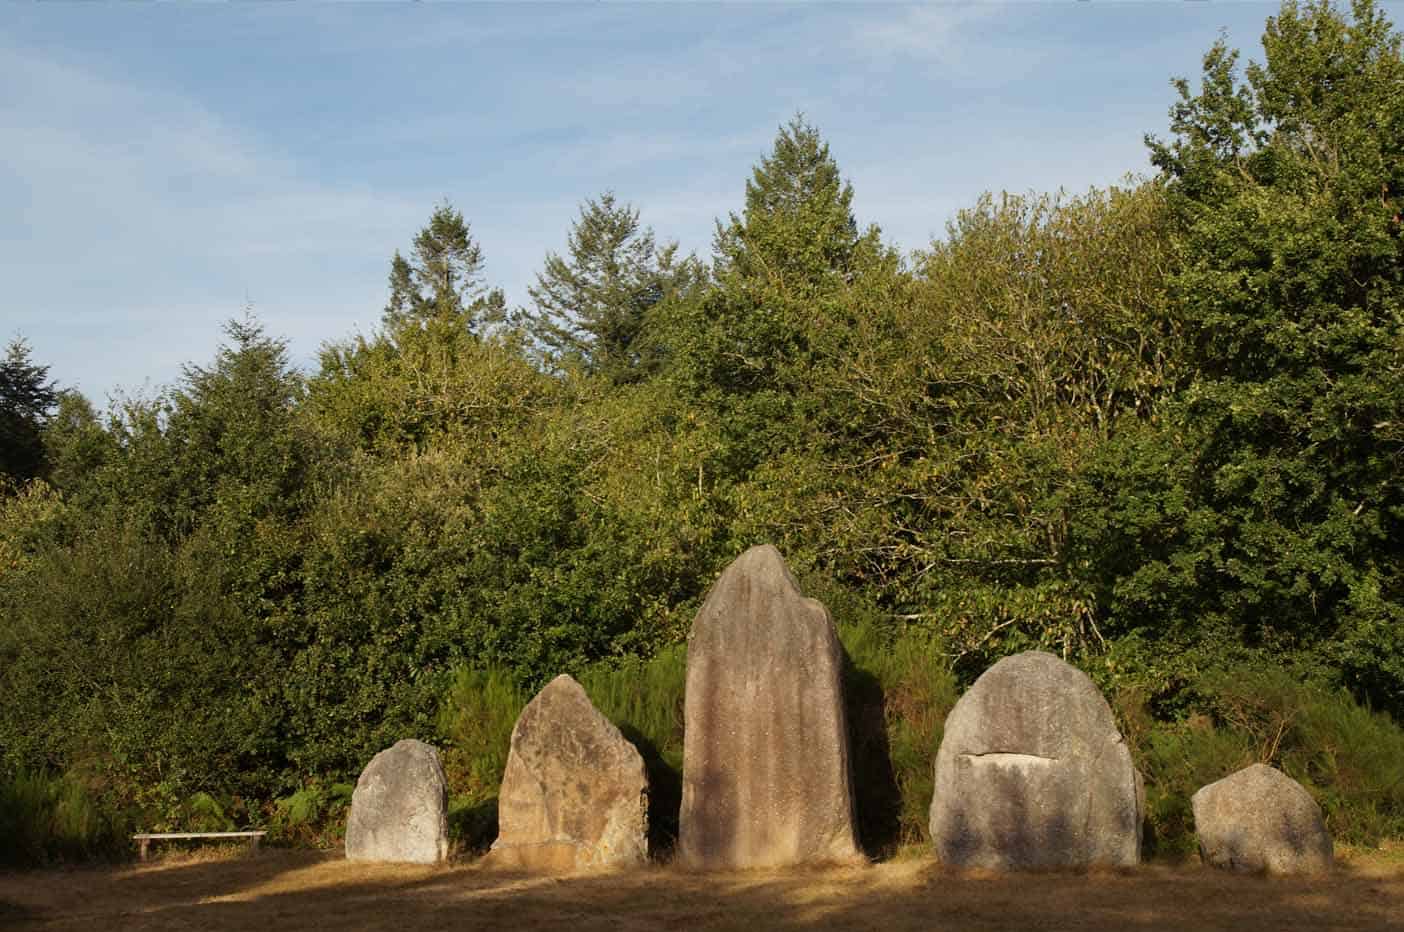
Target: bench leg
{"points": [[141, 848], [254, 841]]}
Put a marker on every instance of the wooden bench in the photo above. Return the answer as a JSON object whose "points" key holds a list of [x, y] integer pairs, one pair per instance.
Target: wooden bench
{"points": [[144, 839]]}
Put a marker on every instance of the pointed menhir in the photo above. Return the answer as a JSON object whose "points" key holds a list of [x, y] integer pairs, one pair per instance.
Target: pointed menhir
{"points": [[766, 775], [575, 792]]}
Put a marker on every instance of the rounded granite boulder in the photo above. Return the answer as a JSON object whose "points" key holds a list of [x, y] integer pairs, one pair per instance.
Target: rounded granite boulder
{"points": [[399, 809], [1261, 820], [1032, 772]]}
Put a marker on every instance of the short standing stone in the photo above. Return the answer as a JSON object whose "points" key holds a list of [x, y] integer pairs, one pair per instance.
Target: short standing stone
{"points": [[1033, 773], [1260, 819], [575, 792], [766, 778], [399, 810]]}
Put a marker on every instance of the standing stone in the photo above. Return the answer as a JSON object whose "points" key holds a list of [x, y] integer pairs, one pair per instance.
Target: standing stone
{"points": [[399, 810], [1033, 773], [1260, 819], [575, 792], [765, 754]]}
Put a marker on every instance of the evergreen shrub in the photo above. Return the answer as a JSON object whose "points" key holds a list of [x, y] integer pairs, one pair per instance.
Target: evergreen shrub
{"points": [[46, 819], [1347, 756]]}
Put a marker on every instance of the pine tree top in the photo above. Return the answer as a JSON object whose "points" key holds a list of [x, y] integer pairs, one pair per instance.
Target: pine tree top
{"points": [[798, 221], [798, 173]]}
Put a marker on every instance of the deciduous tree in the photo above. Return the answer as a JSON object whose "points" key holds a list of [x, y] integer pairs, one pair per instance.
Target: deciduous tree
{"points": [[1286, 448]]}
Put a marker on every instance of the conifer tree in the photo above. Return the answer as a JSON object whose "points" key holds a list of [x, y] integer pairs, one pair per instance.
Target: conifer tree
{"points": [[783, 269], [26, 397], [798, 224], [591, 304], [232, 440], [442, 279]]}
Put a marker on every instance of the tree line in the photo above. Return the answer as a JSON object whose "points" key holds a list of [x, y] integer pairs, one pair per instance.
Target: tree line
{"points": [[1157, 429]]}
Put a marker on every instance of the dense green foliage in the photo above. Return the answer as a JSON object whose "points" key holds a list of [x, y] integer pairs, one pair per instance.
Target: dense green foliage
{"points": [[1345, 755], [1281, 514], [1156, 429], [45, 819]]}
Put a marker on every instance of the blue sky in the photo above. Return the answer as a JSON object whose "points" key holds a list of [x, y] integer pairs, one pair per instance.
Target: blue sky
{"points": [[161, 164]]}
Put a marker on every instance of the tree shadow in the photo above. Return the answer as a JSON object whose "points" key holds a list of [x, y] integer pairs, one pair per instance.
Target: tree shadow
{"points": [[1009, 818], [473, 826], [876, 797], [94, 895], [11, 912], [301, 890], [664, 795]]}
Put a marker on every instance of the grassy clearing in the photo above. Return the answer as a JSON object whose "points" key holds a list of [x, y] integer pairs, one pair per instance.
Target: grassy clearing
{"points": [[305, 890]]}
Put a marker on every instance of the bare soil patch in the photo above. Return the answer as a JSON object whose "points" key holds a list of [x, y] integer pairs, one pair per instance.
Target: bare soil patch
{"points": [[277, 890]]}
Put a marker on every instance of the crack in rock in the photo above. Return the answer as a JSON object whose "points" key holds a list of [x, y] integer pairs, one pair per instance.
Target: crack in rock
{"points": [[1010, 757]]}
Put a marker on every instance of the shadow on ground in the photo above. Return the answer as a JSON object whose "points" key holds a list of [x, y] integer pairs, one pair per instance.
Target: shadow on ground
{"points": [[302, 890]]}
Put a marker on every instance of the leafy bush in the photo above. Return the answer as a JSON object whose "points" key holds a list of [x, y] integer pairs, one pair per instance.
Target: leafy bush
{"points": [[1176, 760], [476, 719], [1349, 757], [899, 688], [315, 814]]}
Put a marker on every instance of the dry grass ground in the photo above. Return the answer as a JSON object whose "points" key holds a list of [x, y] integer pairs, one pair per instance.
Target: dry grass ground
{"points": [[278, 890]]}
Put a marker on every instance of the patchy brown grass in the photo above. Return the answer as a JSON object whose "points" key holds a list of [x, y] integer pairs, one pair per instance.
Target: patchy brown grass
{"points": [[277, 890]]}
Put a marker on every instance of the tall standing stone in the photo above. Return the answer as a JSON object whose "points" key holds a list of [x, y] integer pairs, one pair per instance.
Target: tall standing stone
{"points": [[575, 791], [399, 810], [1260, 819], [1033, 773], [766, 778]]}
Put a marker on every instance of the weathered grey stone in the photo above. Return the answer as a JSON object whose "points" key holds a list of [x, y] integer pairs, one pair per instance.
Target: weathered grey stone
{"points": [[1033, 773], [399, 810], [766, 778], [1260, 819], [575, 792]]}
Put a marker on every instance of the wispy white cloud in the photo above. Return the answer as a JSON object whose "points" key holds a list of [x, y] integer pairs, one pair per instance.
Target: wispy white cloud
{"points": [[284, 152], [147, 219], [53, 101], [931, 33]]}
